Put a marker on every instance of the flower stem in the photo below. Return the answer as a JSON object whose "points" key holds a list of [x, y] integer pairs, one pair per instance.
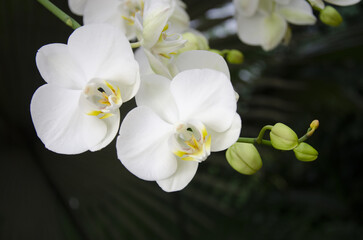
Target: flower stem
{"points": [[262, 132], [60, 14], [135, 44], [254, 140]]}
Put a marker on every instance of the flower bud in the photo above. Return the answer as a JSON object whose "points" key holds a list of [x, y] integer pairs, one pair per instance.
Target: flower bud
{"points": [[306, 153], [195, 41], [216, 51], [330, 16], [244, 158], [234, 56], [283, 138], [314, 124]]}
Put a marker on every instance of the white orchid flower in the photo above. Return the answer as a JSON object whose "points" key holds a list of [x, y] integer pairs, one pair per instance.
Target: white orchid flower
{"points": [[121, 13], [177, 125], [320, 4], [265, 22], [87, 81]]}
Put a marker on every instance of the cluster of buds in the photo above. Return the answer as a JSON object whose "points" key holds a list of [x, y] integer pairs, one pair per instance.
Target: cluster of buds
{"points": [[245, 158]]}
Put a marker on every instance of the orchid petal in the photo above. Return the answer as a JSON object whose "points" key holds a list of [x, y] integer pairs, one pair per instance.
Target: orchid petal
{"points": [[156, 15], [155, 94], [223, 140], [196, 59], [143, 61], [156, 65], [206, 95], [182, 176], [343, 2], [56, 65], [317, 4], [246, 8], [179, 20], [250, 29], [142, 145], [298, 12], [274, 28], [104, 52], [106, 11], [77, 6], [282, 1], [108, 127], [58, 120]]}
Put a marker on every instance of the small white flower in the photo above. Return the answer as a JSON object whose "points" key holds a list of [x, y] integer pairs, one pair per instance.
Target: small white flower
{"points": [[177, 125], [87, 81], [265, 22]]}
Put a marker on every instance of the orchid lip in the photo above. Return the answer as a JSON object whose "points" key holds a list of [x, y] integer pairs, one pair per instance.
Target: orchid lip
{"points": [[191, 141], [102, 99]]}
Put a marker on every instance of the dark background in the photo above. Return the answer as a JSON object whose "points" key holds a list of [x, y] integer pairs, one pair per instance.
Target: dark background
{"points": [[44, 195]]}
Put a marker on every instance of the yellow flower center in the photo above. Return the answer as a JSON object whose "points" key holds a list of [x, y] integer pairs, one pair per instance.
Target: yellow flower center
{"points": [[103, 99], [130, 8], [192, 142]]}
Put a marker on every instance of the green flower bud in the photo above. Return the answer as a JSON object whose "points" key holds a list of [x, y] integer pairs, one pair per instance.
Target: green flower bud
{"points": [[283, 138], [306, 153], [216, 51], [244, 158], [234, 56], [195, 41], [330, 16]]}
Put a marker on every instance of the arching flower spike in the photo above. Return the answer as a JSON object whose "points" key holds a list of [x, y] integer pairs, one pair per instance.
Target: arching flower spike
{"points": [[87, 81]]}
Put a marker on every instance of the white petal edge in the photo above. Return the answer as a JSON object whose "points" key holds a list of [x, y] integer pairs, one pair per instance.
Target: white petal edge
{"points": [[274, 29], [143, 145], [77, 6], [197, 59], [156, 15], [223, 140], [206, 95], [181, 178], [155, 94], [298, 12], [111, 124], [59, 121], [343, 2], [57, 66], [107, 11], [143, 61], [250, 29], [103, 51], [246, 8]]}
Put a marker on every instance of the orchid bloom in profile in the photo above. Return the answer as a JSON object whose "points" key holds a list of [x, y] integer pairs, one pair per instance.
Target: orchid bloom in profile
{"points": [[320, 4], [159, 40], [265, 22], [88, 79], [176, 126], [122, 13]]}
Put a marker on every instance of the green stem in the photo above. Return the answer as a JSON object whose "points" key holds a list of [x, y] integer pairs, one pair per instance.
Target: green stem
{"points": [[254, 141], [135, 44], [60, 14], [306, 136], [262, 132]]}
